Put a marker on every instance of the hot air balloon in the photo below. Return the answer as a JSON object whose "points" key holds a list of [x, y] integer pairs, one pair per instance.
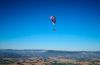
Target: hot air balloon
{"points": [[53, 19]]}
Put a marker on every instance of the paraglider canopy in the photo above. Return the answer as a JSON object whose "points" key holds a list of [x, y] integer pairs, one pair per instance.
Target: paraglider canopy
{"points": [[53, 19]]}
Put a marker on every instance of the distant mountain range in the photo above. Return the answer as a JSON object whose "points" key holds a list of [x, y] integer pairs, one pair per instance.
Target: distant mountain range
{"points": [[11, 53]]}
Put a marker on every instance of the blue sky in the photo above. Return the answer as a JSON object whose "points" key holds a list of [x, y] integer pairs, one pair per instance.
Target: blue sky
{"points": [[25, 24]]}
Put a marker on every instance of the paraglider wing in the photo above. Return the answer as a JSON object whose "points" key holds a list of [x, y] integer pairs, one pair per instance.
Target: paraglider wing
{"points": [[53, 19]]}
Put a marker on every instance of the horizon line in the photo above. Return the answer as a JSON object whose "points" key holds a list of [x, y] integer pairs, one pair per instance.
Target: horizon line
{"points": [[55, 50]]}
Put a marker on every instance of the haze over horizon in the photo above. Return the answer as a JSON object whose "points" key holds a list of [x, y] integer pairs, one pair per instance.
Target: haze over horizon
{"points": [[25, 24]]}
